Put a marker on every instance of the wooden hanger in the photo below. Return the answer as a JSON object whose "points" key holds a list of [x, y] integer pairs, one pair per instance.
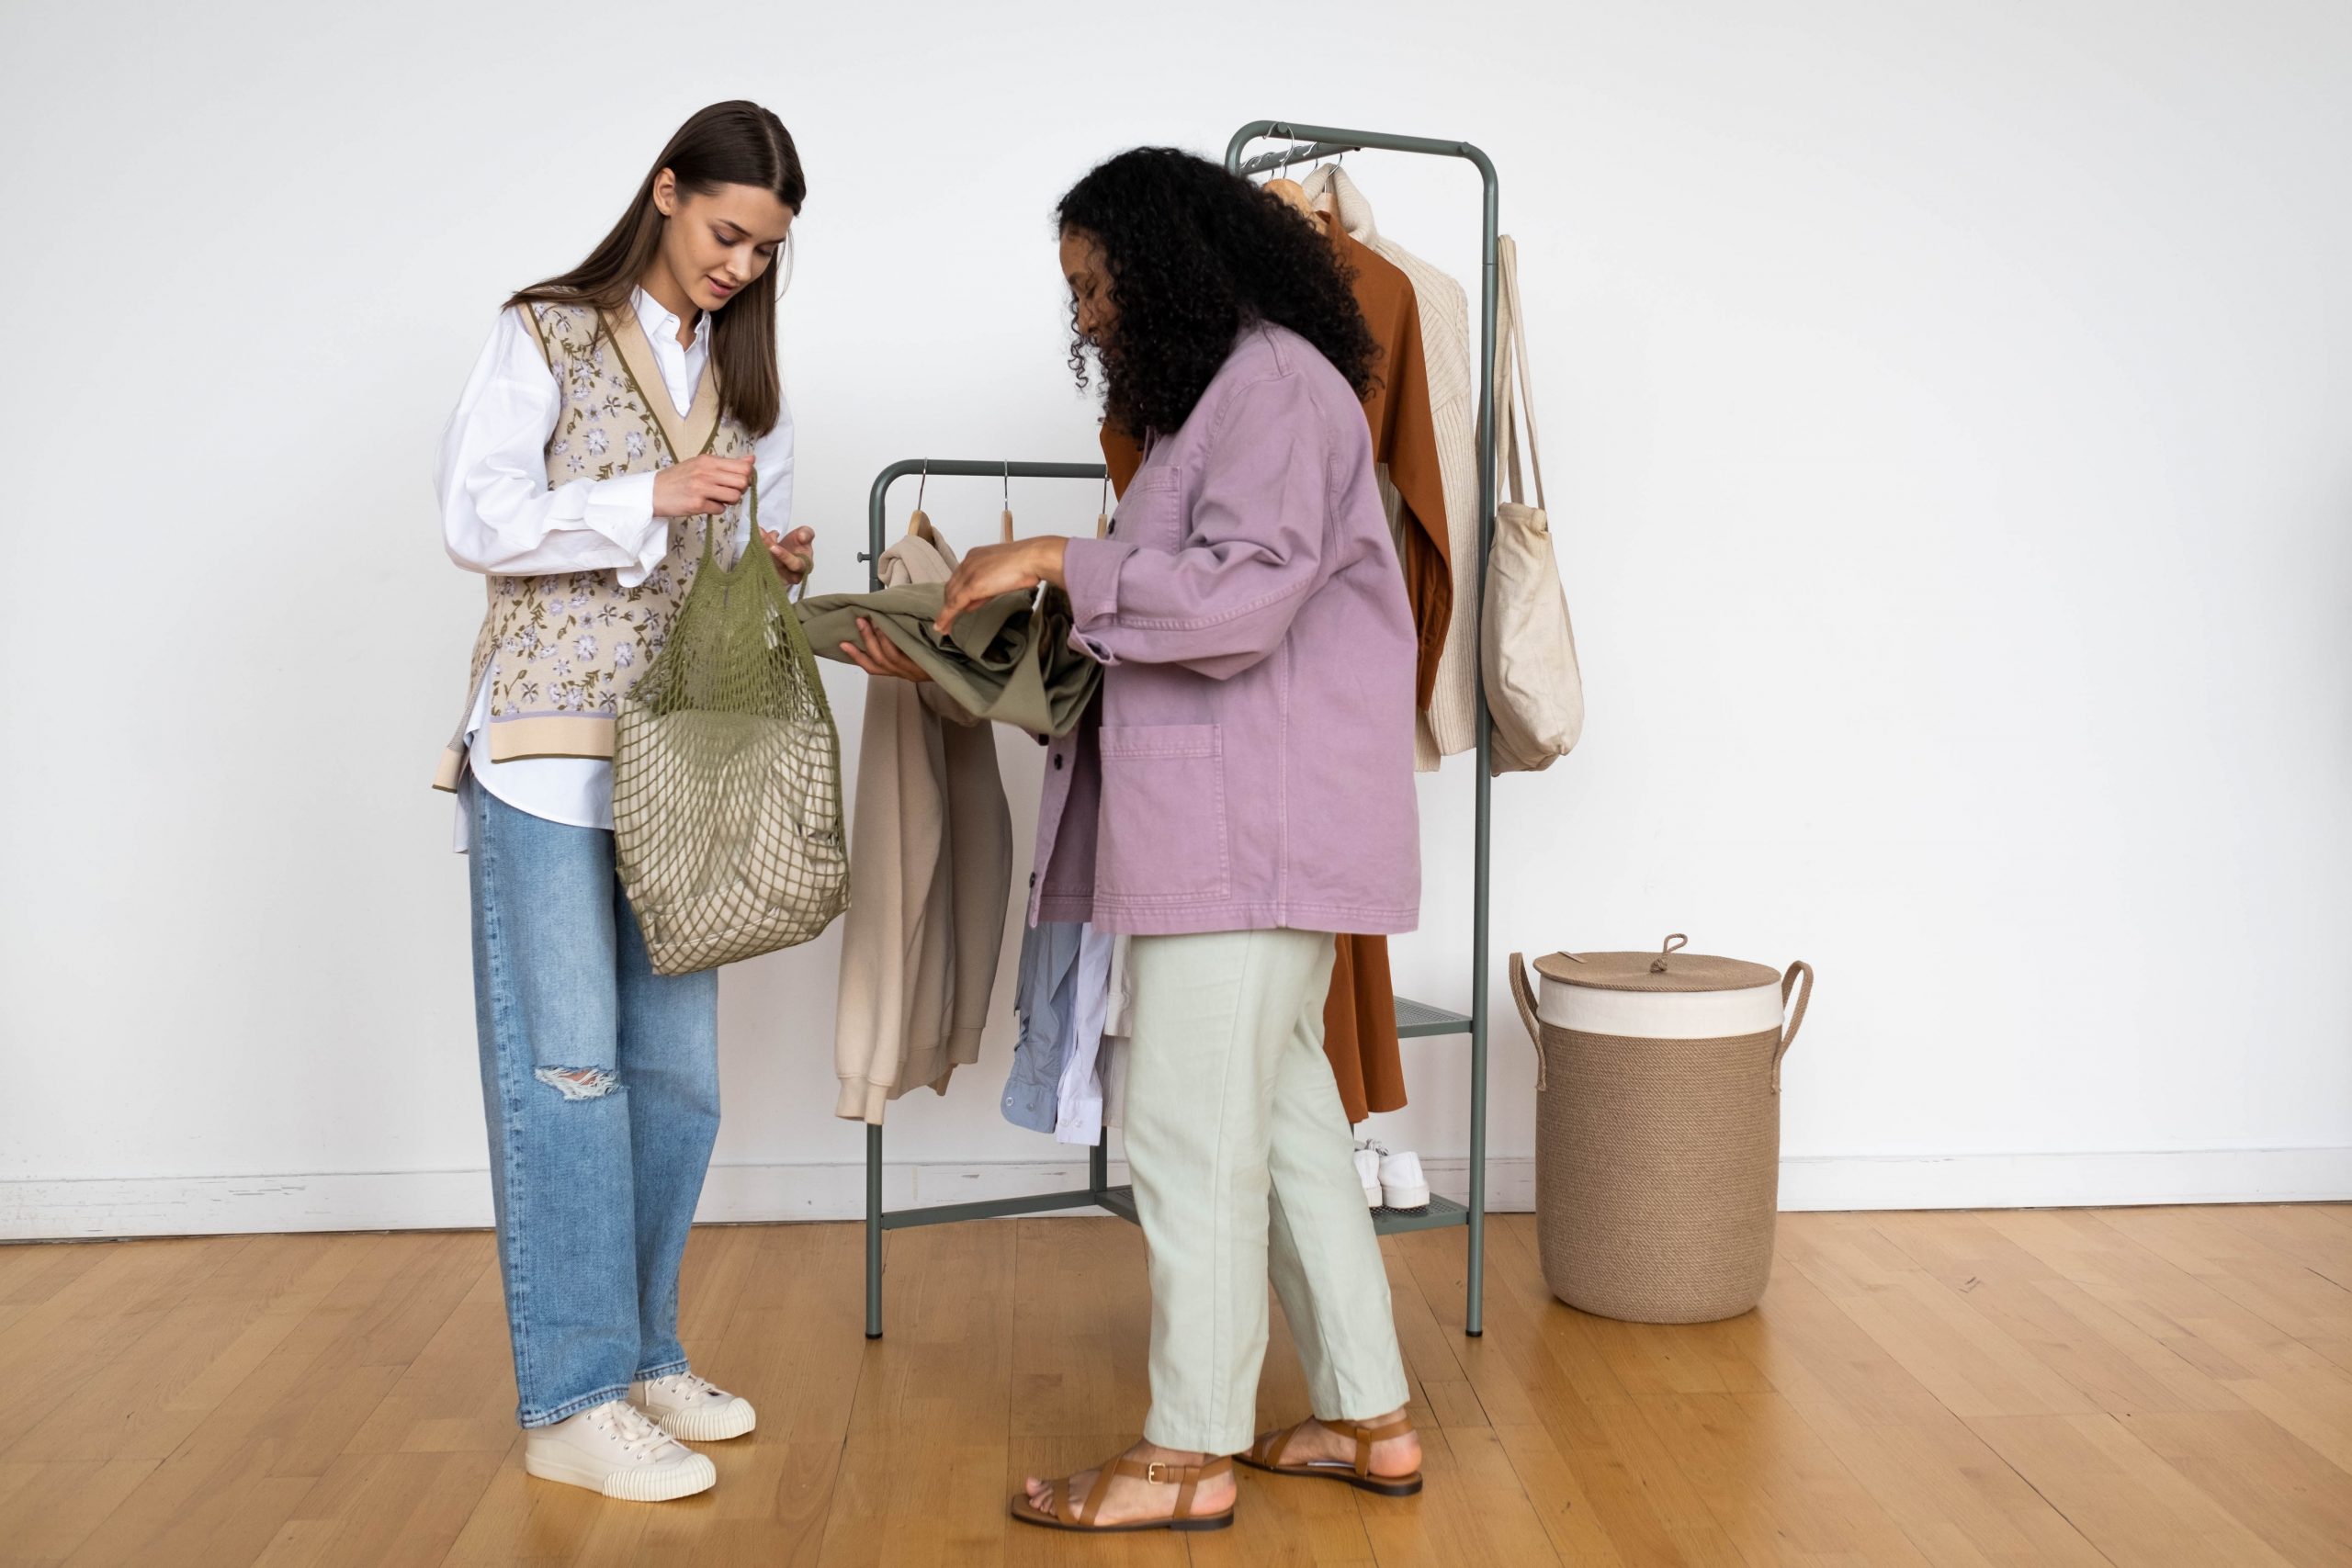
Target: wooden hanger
{"points": [[1291, 191], [1007, 502], [918, 521]]}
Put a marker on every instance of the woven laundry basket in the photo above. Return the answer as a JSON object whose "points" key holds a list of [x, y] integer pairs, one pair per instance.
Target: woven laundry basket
{"points": [[1657, 1128]]}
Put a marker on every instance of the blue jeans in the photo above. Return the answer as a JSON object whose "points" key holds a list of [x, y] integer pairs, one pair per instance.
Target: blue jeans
{"points": [[600, 1085]]}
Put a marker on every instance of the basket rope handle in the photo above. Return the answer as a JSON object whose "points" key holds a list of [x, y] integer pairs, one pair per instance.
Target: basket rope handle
{"points": [[1796, 1019], [1525, 998]]}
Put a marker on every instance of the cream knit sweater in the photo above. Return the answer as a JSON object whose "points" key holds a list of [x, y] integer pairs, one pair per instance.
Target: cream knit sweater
{"points": [[1450, 725]]}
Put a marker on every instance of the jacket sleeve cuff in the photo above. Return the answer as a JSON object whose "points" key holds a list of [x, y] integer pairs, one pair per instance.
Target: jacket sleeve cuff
{"points": [[1091, 573]]}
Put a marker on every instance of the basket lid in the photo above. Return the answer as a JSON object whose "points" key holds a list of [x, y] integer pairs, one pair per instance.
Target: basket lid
{"points": [[1668, 969]]}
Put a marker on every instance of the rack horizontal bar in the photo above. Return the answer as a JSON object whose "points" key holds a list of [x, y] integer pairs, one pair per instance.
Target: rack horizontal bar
{"points": [[1329, 139], [989, 1209], [957, 468], [1283, 157], [1441, 1215]]}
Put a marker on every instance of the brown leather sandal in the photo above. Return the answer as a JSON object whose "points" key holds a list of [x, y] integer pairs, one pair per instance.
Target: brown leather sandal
{"points": [[1068, 1513], [1266, 1454]]}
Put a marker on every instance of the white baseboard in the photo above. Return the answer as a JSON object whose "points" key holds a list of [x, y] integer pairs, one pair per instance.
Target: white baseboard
{"points": [[459, 1200], [2067, 1181]]}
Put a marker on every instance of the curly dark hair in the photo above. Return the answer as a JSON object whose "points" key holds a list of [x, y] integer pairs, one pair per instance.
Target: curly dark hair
{"points": [[1194, 254]]}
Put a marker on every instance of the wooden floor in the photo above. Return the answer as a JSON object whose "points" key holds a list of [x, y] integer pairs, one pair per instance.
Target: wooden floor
{"points": [[2166, 1386]]}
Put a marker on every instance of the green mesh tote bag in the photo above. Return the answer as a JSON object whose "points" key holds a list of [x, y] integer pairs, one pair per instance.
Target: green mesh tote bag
{"points": [[727, 775]]}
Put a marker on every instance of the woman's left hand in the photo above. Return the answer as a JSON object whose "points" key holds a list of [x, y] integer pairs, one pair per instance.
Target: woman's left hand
{"points": [[991, 569], [794, 552]]}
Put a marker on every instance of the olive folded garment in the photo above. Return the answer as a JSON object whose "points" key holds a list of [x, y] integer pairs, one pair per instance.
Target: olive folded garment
{"points": [[1008, 660]]}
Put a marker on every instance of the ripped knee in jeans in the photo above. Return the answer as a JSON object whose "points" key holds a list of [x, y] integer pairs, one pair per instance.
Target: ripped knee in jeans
{"points": [[580, 1083]]}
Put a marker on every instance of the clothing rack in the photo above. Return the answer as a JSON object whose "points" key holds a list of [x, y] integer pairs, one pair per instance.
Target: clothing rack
{"points": [[1414, 1020]]}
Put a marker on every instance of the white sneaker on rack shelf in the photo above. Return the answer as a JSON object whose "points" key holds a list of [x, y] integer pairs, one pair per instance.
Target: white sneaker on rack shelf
{"points": [[1402, 1185], [613, 1449], [1368, 1173]]}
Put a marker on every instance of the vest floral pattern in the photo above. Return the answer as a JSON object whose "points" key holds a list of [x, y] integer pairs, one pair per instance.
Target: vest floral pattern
{"points": [[560, 649]]}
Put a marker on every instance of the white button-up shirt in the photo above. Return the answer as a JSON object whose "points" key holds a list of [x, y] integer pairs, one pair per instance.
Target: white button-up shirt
{"points": [[500, 516]]}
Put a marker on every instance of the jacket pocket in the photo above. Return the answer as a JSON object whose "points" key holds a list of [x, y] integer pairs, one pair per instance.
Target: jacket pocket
{"points": [[1151, 513], [1163, 813]]}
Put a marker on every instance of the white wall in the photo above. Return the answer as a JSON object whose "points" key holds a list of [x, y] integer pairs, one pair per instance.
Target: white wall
{"points": [[1947, 416]]}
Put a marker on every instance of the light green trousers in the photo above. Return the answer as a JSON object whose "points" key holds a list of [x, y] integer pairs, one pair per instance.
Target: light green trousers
{"points": [[1243, 1166]]}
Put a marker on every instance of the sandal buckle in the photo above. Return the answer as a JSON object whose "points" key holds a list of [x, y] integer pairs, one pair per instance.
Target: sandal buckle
{"points": [[1153, 1473]]}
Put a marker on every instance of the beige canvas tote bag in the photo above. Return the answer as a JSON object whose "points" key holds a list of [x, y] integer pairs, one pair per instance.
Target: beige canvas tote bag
{"points": [[1527, 651]]}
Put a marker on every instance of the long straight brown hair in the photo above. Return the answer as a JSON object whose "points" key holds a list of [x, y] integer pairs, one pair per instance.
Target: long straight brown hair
{"points": [[733, 143]]}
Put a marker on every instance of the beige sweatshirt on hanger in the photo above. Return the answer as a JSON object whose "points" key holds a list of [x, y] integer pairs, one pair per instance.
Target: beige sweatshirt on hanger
{"points": [[930, 872]]}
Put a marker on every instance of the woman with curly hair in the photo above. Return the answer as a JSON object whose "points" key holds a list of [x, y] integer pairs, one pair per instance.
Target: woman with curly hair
{"points": [[1242, 791]]}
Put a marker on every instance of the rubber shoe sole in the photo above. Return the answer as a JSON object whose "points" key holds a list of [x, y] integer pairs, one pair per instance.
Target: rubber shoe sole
{"points": [[730, 1420], [633, 1483], [1407, 1200]]}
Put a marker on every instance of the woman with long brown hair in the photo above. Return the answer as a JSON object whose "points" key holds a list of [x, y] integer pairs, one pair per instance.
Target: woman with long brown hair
{"points": [[617, 413]]}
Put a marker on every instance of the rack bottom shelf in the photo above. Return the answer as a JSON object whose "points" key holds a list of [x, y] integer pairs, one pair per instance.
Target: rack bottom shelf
{"points": [[1440, 1213]]}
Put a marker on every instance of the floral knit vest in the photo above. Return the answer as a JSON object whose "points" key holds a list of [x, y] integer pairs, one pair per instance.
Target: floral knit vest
{"points": [[560, 649]]}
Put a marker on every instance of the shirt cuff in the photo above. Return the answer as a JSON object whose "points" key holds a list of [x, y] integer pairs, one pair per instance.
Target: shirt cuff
{"points": [[621, 510]]}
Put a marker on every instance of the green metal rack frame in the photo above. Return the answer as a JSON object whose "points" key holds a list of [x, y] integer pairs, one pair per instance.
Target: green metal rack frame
{"points": [[1414, 1020]]}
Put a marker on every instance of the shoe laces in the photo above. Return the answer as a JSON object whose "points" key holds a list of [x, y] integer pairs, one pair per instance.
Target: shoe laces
{"points": [[686, 1385], [629, 1427]]}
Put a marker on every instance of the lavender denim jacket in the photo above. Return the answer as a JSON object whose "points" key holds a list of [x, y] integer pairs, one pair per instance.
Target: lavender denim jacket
{"points": [[1250, 762]]}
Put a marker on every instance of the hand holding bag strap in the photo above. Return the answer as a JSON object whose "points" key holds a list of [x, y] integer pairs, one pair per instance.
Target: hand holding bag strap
{"points": [[1525, 998], [710, 520], [1796, 1019]]}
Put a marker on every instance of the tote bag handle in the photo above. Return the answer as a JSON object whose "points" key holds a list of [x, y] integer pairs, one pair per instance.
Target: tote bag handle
{"points": [[1515, 384]]}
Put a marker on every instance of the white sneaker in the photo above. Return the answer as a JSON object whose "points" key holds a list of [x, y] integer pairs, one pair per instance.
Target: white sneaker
{"points": [[693, 1408], [1368, 1173], [1402, 1185], [613, 1449]]}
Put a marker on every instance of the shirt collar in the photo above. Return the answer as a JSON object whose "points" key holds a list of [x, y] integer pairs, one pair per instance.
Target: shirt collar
{"points": [[660, 323]]}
